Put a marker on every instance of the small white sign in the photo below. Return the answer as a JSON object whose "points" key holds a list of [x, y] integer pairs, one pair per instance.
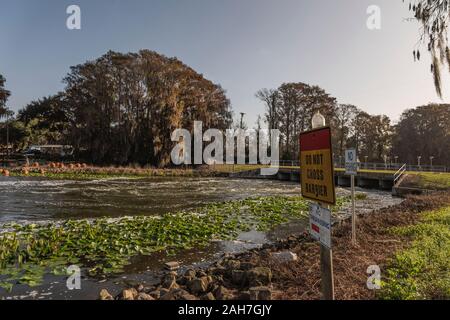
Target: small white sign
{"points": [[320, 224], [351, 162]]}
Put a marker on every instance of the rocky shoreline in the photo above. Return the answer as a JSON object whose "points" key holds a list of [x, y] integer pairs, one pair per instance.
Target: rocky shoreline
{"points": [[234, 277]]}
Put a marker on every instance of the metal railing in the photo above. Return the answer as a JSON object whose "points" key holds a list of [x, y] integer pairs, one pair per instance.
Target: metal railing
{"points": [[396, 166], [399, 174]]}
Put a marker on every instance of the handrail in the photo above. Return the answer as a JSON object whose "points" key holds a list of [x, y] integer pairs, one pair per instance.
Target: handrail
{"points": [[399, 173]]}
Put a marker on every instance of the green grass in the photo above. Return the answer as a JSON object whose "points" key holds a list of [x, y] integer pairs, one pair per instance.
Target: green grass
{"points": [[428, 180], [423, 270], [104, 247]]}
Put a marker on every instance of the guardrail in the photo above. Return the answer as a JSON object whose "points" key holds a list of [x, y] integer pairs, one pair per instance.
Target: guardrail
{"points": [[373, 166], [396, 166], [399, 174]]}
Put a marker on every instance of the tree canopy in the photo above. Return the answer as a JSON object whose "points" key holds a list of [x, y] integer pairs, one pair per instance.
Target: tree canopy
{"points": [[4, 95], [424, 131], [433, 15], [122, 108]]}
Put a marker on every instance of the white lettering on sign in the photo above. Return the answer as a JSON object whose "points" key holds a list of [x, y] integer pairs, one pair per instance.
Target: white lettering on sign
{"points": [[351, 162], [320, 224]]}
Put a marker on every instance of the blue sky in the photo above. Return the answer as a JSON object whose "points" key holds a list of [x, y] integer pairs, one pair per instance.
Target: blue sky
{"points": [[244, 45]]}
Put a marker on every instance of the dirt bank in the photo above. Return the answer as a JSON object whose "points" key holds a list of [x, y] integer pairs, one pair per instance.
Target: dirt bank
{"points": [[259, 274]]}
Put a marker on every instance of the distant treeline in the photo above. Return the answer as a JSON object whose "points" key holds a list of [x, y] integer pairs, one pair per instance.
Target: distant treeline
{"points": [[122, 108], [423, 131]]}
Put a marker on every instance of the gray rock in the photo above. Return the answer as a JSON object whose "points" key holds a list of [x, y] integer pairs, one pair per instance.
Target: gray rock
{"points": [[222, 293], [244, 296], [155, 294], [199, 285], [238, 277], [259, 276], [172, 265], [144, 296], [284, 256], [246, 265], [178, 294], [208, 296], [260, 293], [233, 265], [190, 273], [162, 292], [201, 273], [170, 281]]}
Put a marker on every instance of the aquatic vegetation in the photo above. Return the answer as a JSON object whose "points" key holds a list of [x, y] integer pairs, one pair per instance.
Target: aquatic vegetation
{"points": [[92, 173], [105, 246]]}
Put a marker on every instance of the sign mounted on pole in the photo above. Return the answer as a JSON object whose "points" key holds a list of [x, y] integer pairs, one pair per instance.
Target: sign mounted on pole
{"points": [[320, 224], [351, 162], [316, 163]]}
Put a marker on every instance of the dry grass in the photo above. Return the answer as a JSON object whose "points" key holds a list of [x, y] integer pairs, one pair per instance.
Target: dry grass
{"points": [[301, 280]]}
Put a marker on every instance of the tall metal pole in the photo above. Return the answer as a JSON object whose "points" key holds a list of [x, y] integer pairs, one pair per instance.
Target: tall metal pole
{"points": [[7, 135], [353, 210], [242, 120]]}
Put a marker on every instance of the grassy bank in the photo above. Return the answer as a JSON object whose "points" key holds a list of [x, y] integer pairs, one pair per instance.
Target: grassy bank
{"points": [[427, 180], [104, 247], [421, 271]]}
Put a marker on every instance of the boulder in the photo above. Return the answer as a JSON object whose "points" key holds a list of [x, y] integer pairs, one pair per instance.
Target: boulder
{"points": [[187, 296], [246, 265], [199, 285], [178, 294], [238, 277], [222, 293], [129, 294], [208, 296], [105, 295], [233, 265], [260, 293], [155, 294], [140, 288], [144, 296], [170, 281], [259, 276], [172, 265], [201, 273], [190, 273], [244, 296], [284, 256], [162, 292]]}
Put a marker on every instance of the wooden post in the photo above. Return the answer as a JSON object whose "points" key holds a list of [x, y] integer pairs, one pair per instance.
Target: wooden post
{"points": [[353, 210], [326, 270]]}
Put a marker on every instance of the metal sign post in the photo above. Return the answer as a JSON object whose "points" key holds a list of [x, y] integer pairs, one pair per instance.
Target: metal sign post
{"points": [[351, 168], [317, 180]]}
